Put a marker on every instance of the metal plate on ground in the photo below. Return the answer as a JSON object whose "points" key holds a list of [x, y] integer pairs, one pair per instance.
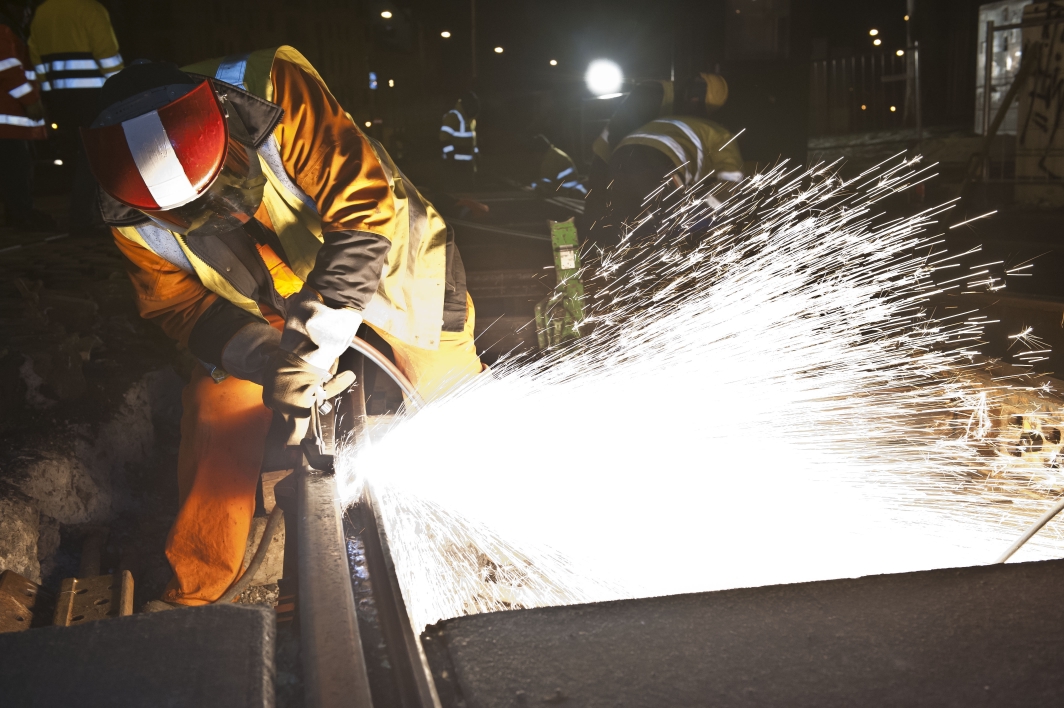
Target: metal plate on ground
{"points": [[83, 600], [982, 636], [18, 600]]}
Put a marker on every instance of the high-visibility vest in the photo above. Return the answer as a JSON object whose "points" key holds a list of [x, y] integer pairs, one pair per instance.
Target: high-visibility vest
{"points": [[697, 146], [408, 303], [458, 137], [558, 171], [19, 90], [73, 45]]}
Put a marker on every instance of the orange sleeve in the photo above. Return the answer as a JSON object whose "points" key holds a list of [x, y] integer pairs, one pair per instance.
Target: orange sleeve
{"points": [[171, 297], [328, 156]]}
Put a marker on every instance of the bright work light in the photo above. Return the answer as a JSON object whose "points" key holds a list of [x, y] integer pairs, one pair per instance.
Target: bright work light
{"points": [[603, 76]]}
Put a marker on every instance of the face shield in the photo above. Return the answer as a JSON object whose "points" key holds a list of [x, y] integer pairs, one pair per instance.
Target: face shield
{"points": [[183, 165]]}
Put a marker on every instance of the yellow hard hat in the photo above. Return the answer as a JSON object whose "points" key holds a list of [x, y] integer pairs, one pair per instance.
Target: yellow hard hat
{"points": [[716, 90]]}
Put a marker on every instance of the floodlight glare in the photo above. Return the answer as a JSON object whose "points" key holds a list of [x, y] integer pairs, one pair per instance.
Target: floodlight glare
{"points": [[603, 76]]}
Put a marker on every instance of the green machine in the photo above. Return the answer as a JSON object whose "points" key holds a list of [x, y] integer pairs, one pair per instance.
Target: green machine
{"points": [[559, 316]]}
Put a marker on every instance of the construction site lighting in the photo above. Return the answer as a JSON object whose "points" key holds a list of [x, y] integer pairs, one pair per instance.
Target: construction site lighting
{"points": [[603, 77], [900, 52], [386, 14], [445, 34], [877, 42], [554, 62], [873, 32], [498, 50]]}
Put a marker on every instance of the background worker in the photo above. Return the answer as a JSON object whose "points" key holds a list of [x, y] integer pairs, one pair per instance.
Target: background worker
{"points": [[74, 50], [458, 140], [646, 101], [556, 174], [684, 148], [21, 119], [261, 233]]}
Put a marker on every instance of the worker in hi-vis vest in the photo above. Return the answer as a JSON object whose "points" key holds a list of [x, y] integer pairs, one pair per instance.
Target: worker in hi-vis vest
{"points": [[74, 50], [685, 148], [458, 139], [262, 228], [21, 120], [556, 174]]}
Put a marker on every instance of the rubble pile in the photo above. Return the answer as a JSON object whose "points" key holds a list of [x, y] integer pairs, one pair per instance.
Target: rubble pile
{"points": [[89, 404]]}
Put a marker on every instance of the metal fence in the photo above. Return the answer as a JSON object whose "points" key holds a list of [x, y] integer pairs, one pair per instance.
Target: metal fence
{"points": [[857, 94]]}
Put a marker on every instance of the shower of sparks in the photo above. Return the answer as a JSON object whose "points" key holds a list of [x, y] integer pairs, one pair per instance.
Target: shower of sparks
{"points": [[765, 394]]}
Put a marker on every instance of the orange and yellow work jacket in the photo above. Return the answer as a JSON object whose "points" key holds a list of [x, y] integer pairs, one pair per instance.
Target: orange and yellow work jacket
{"points": [[324, 178]]}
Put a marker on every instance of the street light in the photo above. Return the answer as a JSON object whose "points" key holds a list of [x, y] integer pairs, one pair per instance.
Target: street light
{"points": [[554, 62], [498, 50], [445, 34], [900, 53], [603, 77], [386, 14], [877, 42], [873, 32]]}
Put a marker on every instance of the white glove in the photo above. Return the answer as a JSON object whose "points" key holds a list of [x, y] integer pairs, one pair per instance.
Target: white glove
{"points": [[317, 333]]}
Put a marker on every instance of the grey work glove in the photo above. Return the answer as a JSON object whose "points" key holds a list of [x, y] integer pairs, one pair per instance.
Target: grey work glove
{"points": [[291, 386], [245, 356], [298, 372]]}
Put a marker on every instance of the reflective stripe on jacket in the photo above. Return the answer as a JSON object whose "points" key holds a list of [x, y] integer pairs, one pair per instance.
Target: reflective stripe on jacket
{"points": [[363, 191], [697, 146], [458, 139], [19, 89], [635, 110], [73, 45]]}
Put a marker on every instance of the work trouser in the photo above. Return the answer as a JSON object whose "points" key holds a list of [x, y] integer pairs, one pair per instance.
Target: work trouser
{"points": [[223, 432], [16, 180]]}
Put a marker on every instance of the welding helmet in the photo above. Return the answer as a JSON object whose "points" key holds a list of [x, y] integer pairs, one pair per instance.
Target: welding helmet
{"points": [[169, 148]]}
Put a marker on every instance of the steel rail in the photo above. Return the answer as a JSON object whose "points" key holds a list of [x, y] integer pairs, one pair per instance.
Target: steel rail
{"points": [[410, 668], [333, 654], [334, 666]]}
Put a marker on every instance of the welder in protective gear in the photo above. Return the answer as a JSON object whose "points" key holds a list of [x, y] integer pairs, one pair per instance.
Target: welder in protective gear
{"points": [[684, 149], [262, 229]]}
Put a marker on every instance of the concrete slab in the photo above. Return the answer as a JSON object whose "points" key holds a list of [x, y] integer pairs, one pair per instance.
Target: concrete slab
{"points": [[983, 636], [214, 656]]}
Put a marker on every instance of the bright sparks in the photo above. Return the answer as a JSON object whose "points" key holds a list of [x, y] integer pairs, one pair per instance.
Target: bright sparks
{"points": [[765, 394]]}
